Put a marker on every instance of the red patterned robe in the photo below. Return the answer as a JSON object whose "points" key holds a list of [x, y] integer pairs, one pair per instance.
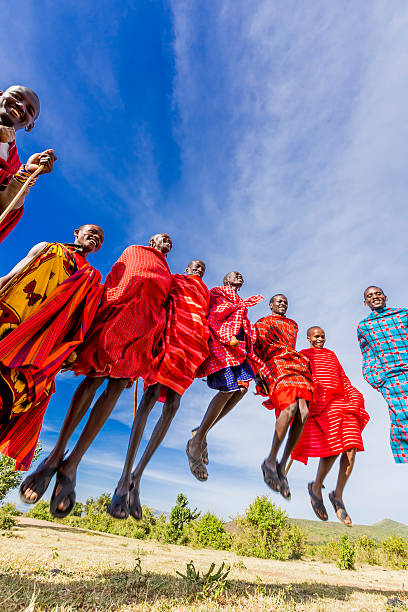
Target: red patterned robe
{"points": [[131, 319], [228, 315], [288, 374], [336, 416], [8, 168], [186, 334]]}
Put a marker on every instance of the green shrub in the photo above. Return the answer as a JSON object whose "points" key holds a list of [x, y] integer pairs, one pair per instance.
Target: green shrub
{"points": [[329, 551], [209, 532], [395, 550], [180, 516], [10, 509], [347, 554], [367, 549], [41, 511], [7, 522], [266, 532]]}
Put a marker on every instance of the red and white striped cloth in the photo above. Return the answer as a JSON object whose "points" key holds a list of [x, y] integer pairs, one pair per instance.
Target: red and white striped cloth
{"points": [[8, 168], [336, 415], [131, 319]]}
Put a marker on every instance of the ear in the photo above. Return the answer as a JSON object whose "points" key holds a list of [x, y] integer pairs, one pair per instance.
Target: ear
{"points": [[76, 232], [152, 243]]}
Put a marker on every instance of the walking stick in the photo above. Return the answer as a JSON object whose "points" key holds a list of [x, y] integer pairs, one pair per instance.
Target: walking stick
{"points": [[289, 466], [20, 193], [135, 398]]}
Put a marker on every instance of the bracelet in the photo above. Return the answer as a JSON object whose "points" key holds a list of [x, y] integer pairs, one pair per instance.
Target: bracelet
{"points": [[22, 175]]}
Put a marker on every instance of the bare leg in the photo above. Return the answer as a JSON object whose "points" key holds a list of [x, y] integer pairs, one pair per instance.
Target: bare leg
{"points": [[162, 426], [325, 465], [214, 410], [98, 417], [295, 430], [150, 397], [231, 403], [345, 468], [80, 403]]}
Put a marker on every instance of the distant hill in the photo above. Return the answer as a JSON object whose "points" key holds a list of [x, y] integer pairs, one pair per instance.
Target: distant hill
{"points": [[319, 532]]}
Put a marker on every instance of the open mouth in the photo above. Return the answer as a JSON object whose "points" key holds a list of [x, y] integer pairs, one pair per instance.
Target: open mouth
{"points": [[15, 112], [93, 241]]}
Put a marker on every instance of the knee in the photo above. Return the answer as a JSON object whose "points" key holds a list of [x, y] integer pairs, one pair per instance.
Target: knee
{"points": [[291, 410], [93, 384], [117, 385], [152, 393]]}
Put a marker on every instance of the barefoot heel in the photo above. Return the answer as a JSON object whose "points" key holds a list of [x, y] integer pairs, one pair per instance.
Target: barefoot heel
{"points": [[67, 492], [317, 504], [38, 481]]}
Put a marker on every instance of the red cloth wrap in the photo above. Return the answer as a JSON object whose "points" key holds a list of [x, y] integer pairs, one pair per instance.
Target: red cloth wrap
{"points": [[131, 318], [39, 346], [228, 314], [186, 335], [336, 416], [288, 374], [7, 171]]}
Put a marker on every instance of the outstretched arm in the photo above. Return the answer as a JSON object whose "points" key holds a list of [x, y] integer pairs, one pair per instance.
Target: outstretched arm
{"points": [[32, 254]]}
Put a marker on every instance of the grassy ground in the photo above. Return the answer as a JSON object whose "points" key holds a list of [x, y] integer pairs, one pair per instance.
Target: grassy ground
{"points": [[319, 532], [45, 566]]}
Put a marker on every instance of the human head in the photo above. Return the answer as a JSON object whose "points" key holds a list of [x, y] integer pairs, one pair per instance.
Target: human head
{"points": [[161, 242], [19, 107], [234, 280], [278, 304], [89, 237], [374, 297], [196, 267], [316, 336]]}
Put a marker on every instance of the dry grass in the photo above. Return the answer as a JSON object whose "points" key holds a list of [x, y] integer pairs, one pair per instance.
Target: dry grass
{"points": [[46, 566]]}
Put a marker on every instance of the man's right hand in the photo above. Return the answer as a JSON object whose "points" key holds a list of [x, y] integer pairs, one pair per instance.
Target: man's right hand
{"points": [[46, 159], [234, 341]]}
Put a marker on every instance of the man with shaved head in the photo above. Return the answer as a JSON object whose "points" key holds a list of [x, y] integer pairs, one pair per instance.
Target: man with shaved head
{"points": [[185, 349], [383, 338], [336, 419], [47, 304], [19, 109], [288, 385], [119, 348]]}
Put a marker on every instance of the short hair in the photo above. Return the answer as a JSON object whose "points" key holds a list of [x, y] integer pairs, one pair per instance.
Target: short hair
{"points": [[94, 224], [228, 273], [372, 287], [314, 327], [193, 260], [276, 295]]}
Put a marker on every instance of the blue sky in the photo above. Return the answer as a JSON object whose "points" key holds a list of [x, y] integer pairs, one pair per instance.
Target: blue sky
{"points": [[265, 137]]}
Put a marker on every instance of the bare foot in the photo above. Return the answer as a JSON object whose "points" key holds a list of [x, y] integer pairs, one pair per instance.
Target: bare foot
{"points": [[270, 475], [35, 485], [195, 460], [70, 472]]}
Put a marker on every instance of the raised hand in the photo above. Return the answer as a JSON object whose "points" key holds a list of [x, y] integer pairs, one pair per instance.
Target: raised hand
{"points": [[46, 158]]}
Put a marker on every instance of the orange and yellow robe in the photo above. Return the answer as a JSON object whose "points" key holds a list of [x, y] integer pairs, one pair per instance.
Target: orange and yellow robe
{"points": [[45, 311]]}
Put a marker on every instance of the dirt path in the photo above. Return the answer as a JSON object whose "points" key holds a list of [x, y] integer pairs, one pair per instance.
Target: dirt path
{"points": [[56, 567]]}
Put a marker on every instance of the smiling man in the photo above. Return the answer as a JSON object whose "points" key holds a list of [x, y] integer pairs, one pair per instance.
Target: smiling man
{"points": [[119, 348], [186, 347], [19, 108], [230, 366], [383, 338], [287, 382], [47, 303]]}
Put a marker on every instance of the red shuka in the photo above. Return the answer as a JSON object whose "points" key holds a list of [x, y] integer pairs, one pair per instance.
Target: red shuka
{"points": [[288, 374], [8, 168], [131, 318], [186, 335], [228, 314], [39, 346], [336, 416]]}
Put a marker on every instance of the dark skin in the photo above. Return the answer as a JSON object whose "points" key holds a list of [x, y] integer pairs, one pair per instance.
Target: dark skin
{"points": [[221, 404], [19, 109], [80, 404], [149, 399], [296, 414], [317, 339], [374, 298]]}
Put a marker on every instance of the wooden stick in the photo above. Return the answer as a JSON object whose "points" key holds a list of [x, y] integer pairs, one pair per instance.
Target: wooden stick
{"points": [[289, 466], [135, 398], [20, 193]]}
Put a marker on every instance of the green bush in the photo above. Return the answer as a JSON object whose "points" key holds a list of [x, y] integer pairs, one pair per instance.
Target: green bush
{"points": [[41, 511], [209, 532], [395, 550], [266, 532], [367, 549], [180, 516], [10, 509], [347, 554], [329, 551], [7, 522]]}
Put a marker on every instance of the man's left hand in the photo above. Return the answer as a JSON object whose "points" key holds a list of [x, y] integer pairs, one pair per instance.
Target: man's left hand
{"points": [[46, 159]]}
